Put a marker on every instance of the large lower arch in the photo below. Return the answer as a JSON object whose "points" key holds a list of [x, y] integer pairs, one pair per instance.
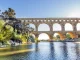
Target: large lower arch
{"points": [[72, 35], [68, 27], [61, 36], [43, 36], [57, 27], [78, 26], [32, 26], [43, 27]]}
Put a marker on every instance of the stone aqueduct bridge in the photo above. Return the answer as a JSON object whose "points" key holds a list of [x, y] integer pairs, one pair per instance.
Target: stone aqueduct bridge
{"points": [[50, 22]]}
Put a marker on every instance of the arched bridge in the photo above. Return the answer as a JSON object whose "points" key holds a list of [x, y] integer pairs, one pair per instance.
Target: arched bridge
{"points": [[73, 22]]}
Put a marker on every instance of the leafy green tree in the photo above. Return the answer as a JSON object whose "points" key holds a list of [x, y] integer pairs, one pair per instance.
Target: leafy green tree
{"points": [[68, 36], [58, 37], [6, 31], [10, 13], [13, 30]]}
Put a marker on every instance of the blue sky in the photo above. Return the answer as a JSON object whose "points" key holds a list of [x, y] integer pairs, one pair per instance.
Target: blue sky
{"points": [[42, 8]]}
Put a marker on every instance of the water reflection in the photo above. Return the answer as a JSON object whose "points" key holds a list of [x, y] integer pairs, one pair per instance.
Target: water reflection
{"points": [[71, 51], [49, 51], [36, 47], [58, 51], [51, 55]]}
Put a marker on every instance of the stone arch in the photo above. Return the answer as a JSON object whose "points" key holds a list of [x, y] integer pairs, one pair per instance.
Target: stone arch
{"points": [[62, 37], [72, 35], [68, 27], [43, 36], [43, 27], [78, 26], [57, 27], [32, 26]]}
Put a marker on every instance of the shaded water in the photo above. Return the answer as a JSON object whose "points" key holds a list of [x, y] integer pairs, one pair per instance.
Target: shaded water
{"points": [[49, 51]]}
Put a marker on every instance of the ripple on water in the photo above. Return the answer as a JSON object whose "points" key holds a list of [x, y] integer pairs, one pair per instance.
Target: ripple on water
{"points": [[49, 51]]}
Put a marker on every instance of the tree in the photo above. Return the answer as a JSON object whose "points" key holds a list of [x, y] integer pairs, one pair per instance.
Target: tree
{"points": [[68, 36], [58, 36], [10, 13], [6, 31], [21, 31], [31, 38]]}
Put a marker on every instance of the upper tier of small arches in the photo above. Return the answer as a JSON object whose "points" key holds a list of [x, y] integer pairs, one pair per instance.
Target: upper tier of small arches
{"points": [[50, 19]]}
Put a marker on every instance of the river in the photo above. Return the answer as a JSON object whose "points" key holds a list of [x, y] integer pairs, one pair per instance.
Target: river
{"points": [[48, 51]]}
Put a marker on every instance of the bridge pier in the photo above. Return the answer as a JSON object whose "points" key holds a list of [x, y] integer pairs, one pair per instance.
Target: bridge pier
{"points": [[74, 27], [51, 37], [36, 37], [62, 25], [36, 27]]}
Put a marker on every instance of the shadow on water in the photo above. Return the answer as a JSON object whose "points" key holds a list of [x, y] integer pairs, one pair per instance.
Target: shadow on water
{"points": [[51, 51], [36, 47]]}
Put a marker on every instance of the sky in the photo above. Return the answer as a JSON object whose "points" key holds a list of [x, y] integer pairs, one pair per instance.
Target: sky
{"points": [[42, 8]]}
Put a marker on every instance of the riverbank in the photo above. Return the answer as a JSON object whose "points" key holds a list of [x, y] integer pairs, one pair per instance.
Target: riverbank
{"points": [[10, 50], [15, 52], [9, 46]]}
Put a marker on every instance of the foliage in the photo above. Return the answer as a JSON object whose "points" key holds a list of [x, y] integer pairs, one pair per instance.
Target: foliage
{"points": [[21, 37], [24, 38], [31, 38], [58, 36], [68, 36], [6, 31], [2, 23], [10, 13], [13, 30]]}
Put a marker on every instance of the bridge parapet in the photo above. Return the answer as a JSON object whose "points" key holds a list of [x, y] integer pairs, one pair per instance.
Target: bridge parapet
{"points": [[51, 20]]}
